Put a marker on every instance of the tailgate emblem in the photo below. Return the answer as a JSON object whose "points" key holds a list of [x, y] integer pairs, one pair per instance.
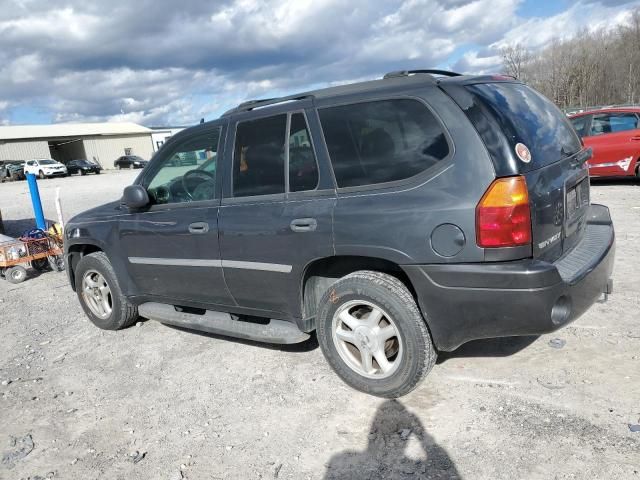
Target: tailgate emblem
{"points": [[523, 152], [549, 241]]}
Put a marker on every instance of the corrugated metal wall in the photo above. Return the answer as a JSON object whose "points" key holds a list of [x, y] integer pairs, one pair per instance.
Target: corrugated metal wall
{"points": [[25, 150], [105, 150]]}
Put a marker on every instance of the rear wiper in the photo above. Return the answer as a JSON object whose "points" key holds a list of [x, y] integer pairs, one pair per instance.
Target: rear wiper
{"points": [[566, 152], [582, 156]]}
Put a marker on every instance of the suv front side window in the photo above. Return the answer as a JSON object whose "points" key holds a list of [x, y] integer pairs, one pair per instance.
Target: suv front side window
{"points": [[382, 141], [175, 183]]}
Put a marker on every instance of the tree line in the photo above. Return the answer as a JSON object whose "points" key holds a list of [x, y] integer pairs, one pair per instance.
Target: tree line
{"points": [[594, 68]]}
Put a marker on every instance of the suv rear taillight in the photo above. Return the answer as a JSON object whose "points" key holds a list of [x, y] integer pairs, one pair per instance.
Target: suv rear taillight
{"points": [[503, 216]]}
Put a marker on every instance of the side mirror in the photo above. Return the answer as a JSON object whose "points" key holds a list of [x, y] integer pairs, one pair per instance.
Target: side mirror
{"points": [[135, 196]]}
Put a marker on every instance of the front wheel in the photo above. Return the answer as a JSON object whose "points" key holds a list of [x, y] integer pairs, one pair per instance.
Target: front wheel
{"points": [[373, 334], [132, 166], [16, 274], [41, 175], [100, 295]]}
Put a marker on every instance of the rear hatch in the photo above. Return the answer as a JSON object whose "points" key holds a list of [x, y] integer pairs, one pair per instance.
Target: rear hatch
{"points": [[556, 171]]}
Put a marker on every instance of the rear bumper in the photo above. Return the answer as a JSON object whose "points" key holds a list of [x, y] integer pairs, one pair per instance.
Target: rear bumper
{"points": [[464, 302]]}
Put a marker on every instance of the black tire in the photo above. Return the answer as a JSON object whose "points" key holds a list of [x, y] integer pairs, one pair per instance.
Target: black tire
{"points": [[392, 296], [16, 274], [97, 172], [123, 313], [56, 262], [41, 175], [41, 264], [119, 166], [132, 166], [15, 177], [83, 173]]}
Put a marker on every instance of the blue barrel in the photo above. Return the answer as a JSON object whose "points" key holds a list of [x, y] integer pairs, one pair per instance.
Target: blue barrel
{"points": [[35, 200]]}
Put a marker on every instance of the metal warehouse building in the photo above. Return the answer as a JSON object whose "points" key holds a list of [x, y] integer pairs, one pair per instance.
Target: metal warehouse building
{"points": [[99, 142]]}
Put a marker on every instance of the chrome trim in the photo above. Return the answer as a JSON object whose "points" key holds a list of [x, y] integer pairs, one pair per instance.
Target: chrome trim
{"points": [[270, 267], [179, 262], [195, 262]]}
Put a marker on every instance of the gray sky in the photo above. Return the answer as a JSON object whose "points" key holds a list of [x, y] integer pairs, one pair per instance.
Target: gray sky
{"points": [[157, 62]]}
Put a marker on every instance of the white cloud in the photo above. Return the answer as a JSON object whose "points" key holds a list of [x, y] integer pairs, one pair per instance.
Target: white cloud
{"points": [[153, 62]]}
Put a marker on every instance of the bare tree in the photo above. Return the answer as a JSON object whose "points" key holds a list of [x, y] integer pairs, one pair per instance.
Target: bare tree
{"points": [[592, 68], [514, 59]]}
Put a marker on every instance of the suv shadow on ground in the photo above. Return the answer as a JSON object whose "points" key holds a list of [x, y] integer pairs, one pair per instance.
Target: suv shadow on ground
{"points": [[489, 347], [386, 456]]}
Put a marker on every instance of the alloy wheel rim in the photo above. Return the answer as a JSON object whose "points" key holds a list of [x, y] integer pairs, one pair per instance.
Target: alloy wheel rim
{"points": [[18, 274], [97, 294], [367, 339]]}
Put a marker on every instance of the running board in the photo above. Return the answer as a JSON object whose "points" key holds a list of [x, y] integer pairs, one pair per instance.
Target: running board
{"points": [[276, 331]]}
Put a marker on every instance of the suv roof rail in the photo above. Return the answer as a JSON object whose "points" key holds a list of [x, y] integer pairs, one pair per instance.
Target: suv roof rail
{"points": [[430, 71], [263, 102]]}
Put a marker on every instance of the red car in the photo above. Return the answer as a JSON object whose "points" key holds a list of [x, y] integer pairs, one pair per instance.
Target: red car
{"points": [[614, 136]]}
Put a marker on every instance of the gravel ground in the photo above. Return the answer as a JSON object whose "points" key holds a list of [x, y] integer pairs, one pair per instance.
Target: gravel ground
{"points": [[154, 402]]}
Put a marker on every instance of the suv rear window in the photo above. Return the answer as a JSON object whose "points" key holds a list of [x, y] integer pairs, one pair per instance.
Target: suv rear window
{"points": [[528, 117], [382, 141]]}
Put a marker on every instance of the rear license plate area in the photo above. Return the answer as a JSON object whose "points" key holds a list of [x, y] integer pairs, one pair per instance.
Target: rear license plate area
{"points": [[576, 204], [577, 199]]}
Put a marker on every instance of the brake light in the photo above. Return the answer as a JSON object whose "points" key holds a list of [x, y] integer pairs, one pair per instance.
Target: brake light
{"points": [[503, 216]]}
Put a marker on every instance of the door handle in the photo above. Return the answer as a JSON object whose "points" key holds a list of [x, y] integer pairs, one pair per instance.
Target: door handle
{"points": [[199, 227], [636, 138], [303, 224]]}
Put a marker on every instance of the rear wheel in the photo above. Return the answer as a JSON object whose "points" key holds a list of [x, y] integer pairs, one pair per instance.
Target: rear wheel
{"points": [[373, 334], [83, 173], [100, 295], [17, 274], [119, 166]]}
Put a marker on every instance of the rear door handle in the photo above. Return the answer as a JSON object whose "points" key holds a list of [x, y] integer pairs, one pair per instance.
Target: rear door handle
{"points": [[303, 224], [199, 227], [636, 138]]}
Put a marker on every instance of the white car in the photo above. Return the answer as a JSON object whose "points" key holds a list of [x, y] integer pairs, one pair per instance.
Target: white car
{"points": [[45, 168]]}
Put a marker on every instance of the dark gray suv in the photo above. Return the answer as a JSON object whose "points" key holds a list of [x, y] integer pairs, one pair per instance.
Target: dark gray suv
{"points": [[395, 218]]}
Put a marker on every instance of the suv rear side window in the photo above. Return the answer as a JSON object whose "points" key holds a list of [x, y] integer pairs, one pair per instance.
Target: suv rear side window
{"points": [[258, 157], [528, 117], [382, 141]]}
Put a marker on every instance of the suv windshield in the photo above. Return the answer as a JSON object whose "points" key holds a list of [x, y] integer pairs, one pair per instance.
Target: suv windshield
{"points": [[530, 118], [46, 162]]}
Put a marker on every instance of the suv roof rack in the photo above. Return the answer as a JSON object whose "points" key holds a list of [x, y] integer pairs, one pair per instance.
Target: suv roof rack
{"points": [[263, 102], [405, 73]]}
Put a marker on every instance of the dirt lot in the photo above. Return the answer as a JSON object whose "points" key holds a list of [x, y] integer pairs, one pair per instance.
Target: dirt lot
{"points": [[154, 402]]}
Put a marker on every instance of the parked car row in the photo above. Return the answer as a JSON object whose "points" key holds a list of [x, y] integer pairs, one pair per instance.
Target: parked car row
{"points": [[47, 168]]}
